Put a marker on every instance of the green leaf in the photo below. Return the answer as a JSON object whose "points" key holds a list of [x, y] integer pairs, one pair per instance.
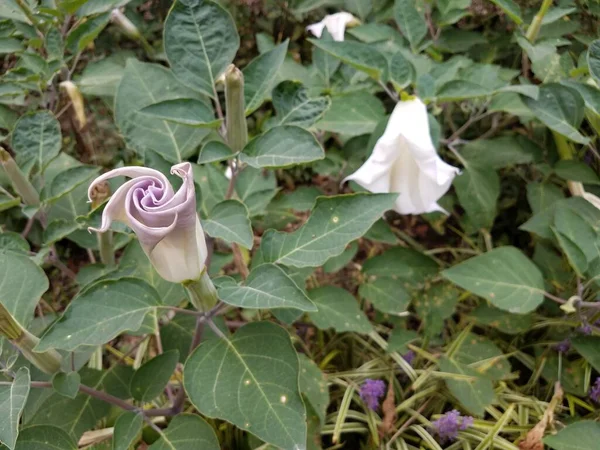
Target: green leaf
{"points": [[100, 313], [200, 42], [501, 152], [352, 114], [150, 379], [338, 262], [434, 305], [85, 32], [474, 394], [59, 229], [294, 106], [260, 75], [483, 355], [215, 151], [184, 111], [401, 263], [10, 45], [361, 56], [411, 22], [143, 85], [255, 188], [128, 428], [504, 276], [22, 283], [12, 402], [456, 90], [313, 385], [334, 223], [213, 187], [36, 140], [506, 322], [512, 10], [66, 384], [478, 190], [253, 380], [282, 146], [402, 72], [576, 237], [560, 108], [339, 310], [187, 432], [400, 338], [67, 181], [386, 294], [589, 348], [576, 171], [267, 287], [229, 221], [582, 435], [593, 60], [9, 240], [590, 94], [44, 437]]}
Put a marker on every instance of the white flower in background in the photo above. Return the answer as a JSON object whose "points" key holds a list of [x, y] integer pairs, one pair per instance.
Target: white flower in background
{"points": [[335, 24], [164, 221], [405, 160], [576, 188]]}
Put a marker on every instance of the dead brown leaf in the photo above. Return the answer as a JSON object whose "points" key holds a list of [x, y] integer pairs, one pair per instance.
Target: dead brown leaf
{"points": [[533, 440]]}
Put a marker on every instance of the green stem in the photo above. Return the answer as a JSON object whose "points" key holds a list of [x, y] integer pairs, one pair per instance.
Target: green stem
{"points": [[203, 293], [536, 24], [20, 183], [563, 146], [48, 362], [237, 127]]}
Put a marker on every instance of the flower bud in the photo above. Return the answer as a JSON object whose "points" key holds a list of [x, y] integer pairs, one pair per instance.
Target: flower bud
{"points": [[77, 101], [336, 25]]}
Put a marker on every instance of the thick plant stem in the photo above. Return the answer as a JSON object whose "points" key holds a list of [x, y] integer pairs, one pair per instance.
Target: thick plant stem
{"points": [[20, 183], [566, 152], [536, 24], [48, 362], [203, 293], [105, 244], [237, 128]]}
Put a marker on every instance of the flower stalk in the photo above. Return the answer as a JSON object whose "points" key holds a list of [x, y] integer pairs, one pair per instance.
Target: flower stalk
{"points": [[130, 30], [203, 293], [48, 362], [19, 181], [98, 196], [536, 23]]}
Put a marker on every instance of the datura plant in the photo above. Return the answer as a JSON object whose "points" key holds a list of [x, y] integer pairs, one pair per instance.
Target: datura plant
{"points": [[261, 224]]}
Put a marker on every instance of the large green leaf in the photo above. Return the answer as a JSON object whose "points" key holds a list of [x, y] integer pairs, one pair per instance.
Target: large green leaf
{"points": [[593, 60], [589, 348], [67, 181], [250, 380], [229, 221], [44, 437], [401, 263], [313, 385], [294, 106], [185, 111], [474, 394], [402, 72], [22, 283], [387, 295], [482, 354], [66, 384], [478, 189], [200, 42], [560, 108], [36, 140], [282, 146], [12, 402], [361, 56], [433, 305], [187, 432], [255, 188], [501, 152], [411, 21], [339, 310], [100, 313], [128, 428], [267, 286], [143, 85], [583, 435], [150, 379], [335, 222], [260, 75], [352, 114], [504, 276]]}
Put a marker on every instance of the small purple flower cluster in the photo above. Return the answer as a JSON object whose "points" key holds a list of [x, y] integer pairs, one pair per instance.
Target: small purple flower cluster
{"points": [[409, 356], [371, 392], [563, 346], [595, 391], [448, 426]]}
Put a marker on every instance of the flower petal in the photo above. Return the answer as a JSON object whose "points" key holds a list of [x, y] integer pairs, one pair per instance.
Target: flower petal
{"points": [[335, 23]]}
